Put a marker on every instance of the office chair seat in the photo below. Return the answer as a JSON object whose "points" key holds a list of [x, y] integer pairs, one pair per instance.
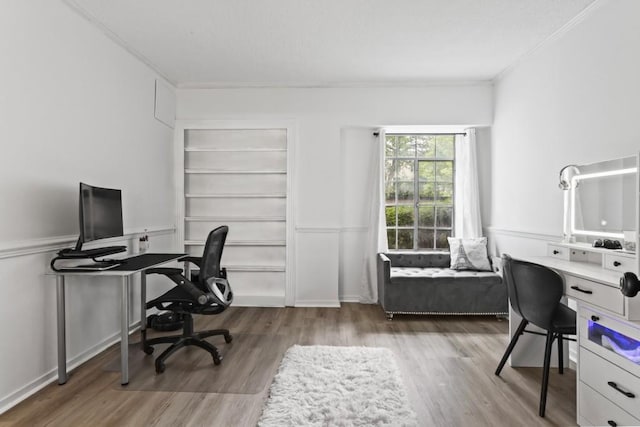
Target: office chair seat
{"points": [[177, 299]]}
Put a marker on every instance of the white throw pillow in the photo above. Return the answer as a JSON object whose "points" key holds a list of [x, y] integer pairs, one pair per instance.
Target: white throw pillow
{"points": [[469, 254]]}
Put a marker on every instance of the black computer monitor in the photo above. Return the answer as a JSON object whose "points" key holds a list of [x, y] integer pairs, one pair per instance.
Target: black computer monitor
{"points": [[100, 214]]}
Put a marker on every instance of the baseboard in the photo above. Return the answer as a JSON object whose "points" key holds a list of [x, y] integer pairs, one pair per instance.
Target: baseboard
{"points": [[258, 301], [44, 380], [318, 303], [350, 298]]}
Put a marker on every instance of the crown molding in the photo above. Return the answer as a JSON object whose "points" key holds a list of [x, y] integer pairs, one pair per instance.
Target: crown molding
{"points": [[579, 18], [334, 85], [73, 5]]}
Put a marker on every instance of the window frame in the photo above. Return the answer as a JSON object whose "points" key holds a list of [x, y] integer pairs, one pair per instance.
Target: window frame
{"points": [[416, 203]]}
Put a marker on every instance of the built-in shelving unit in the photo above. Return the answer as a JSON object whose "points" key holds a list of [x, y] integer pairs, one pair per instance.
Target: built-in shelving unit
{"points": [[238, 177]]}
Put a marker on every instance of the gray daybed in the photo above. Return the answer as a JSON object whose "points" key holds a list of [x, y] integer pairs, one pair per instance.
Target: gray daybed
{"points": [[423, 283]]}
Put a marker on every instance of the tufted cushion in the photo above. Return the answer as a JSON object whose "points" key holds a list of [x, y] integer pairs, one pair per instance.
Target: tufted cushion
{"points": [[430, 275]]}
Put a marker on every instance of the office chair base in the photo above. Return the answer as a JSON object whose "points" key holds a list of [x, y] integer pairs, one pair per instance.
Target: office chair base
{"points": [[189, 339]]}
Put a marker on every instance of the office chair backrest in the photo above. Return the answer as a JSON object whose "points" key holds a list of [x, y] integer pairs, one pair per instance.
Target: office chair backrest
{"points": [[534, 290], [210, 277], [212, 254]]}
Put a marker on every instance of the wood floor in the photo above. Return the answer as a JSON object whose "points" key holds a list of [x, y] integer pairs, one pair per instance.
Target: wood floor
{"points": [[447, 365]]}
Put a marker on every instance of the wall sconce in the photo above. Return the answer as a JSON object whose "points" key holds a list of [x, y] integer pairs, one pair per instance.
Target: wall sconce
{"points": [[565, 178]]}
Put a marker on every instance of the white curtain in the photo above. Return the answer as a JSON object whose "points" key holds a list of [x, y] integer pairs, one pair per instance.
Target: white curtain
{"points": [[467, 222], [376, 239]]}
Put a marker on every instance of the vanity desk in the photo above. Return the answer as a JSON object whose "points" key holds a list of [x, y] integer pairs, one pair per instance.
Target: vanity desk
{"points": [[601, 202], [608, 352]]}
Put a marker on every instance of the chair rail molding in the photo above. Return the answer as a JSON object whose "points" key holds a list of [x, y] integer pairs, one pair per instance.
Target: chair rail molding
{"points": [[39, 245], [522, 234]]}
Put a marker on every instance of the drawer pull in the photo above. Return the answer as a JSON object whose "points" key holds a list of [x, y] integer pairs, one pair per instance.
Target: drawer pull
{"points": [[556, 252], [616, 263], [626, 393], [612, 423], [577, 288], [595, 318]]}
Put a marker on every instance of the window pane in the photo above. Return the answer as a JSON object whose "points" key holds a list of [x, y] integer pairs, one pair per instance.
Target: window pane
{"points": [[427, 216], [405, 216], [404, 170], [405, 239], [391, 238], [390, 146], [441, 239], [444, 194], [390, 213], [444, 146], [444, 171], [444, 217], [425, 238], [390, 192], [405, 191], [426, 170], [389, 170], [406, 146], [427, 192], [426, 145]]}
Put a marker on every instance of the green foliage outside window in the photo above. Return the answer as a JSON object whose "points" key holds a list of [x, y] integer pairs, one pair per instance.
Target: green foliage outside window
{"points": [[419, 190]]}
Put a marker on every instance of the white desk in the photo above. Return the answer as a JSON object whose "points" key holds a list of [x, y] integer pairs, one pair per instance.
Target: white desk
{"points": [[608, 384], [133, 265]]}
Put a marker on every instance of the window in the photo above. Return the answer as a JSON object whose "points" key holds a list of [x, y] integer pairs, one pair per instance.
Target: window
{"points": [[419, 171]]}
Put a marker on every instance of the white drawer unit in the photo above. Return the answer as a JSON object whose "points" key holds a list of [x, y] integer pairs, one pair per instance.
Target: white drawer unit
{"points": [[596, 410], [594, 293], [608, 369], [618, 262], [612, 382]]}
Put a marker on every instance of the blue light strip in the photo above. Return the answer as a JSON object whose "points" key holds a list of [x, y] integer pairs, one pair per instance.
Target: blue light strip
{"points": [[614, 341]]}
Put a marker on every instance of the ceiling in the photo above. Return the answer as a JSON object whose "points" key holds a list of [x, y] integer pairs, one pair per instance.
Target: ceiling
{"points": [[232, 43]]}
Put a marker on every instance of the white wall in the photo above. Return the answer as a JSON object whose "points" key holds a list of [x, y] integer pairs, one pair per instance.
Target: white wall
{"points": [[327, 169], [75, 107], [573, 101]]}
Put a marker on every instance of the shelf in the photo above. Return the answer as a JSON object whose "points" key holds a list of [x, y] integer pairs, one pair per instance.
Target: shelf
{"points": [[235, 219], [234, 172], [235, 150], [235, 196], [240, 243]]}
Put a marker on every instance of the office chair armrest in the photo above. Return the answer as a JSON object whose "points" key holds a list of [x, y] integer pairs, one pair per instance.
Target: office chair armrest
{"points": [[164, 270], [192, 259]]}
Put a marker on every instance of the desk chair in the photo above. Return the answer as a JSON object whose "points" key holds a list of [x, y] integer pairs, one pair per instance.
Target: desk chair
{"points": [[208, 292], [535, 292]]}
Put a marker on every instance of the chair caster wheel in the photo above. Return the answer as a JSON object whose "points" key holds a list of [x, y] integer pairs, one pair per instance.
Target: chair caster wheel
{"points": [[159, 367], [148, 349], [228, 338], [217, 360]]}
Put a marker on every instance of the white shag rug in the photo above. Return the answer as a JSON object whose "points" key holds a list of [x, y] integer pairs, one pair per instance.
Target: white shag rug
{"points": [[337, 386]]}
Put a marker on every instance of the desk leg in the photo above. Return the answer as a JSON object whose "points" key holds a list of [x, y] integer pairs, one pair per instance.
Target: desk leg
{"points": [[124, 331], [143, 309], [62, 338]]}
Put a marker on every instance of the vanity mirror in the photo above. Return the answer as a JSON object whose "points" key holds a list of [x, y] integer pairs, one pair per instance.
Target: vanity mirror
{"points": [[600, 199]]}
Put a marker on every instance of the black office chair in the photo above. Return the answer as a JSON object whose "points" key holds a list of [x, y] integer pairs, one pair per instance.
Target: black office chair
{"points": [[208, 292], [535, 292]]}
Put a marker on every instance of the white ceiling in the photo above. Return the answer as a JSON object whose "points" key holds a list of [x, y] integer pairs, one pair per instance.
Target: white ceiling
{"points": [[329, 42]]}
